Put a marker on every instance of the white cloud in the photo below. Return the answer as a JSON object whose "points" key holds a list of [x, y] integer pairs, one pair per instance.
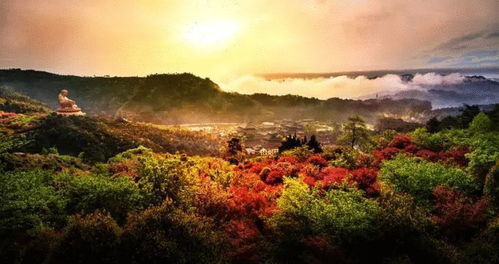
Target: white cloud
{"points": [[341, 86]]}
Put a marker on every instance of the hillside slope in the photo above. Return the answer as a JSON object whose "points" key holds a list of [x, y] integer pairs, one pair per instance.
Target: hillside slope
{"points": [[185, 98]]}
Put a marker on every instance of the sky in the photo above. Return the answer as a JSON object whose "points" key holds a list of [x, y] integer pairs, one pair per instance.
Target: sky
{"points": [[226, 39]]}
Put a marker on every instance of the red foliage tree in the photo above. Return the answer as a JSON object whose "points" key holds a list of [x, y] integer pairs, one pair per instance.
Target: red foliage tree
{"points": [[427, 155], [456, 214], [366, 180], [333, 175], [400, 141], [412, 149], [385, 154], [291, 160], [318, 160], [455, 156]]}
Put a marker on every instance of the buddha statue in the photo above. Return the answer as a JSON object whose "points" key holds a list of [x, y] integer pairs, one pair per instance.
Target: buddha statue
{"points": [[67, 106]]}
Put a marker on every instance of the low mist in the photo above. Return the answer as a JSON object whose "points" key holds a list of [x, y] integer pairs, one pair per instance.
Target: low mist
{"points": [[341, 86]]}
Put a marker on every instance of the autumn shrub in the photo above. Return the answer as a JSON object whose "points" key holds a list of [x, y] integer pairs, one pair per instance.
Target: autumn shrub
{"points": [[385, 154], [275, 176], [333, 175], [123, 168], [246, 241], [456, 156], [93, 238], [457, 215], [427, 155], [168, 177], [247, 202], [366, 179], [301, 153], [419, 177], [165, 234], [292, 160], [217, 170], [411, 149], [318, 160], [400, 141]]}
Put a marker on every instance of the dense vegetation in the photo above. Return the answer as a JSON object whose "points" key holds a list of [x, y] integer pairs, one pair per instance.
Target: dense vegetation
{"points": [[378, 197], [185, 98]]}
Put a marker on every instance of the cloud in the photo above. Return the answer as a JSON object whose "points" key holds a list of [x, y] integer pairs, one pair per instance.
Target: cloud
{"points": [[434, 60], [460, 42], [493, 35], [482, 53], [142, 37], [341, 86]]}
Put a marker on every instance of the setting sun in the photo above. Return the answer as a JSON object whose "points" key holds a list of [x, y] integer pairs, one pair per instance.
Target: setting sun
{"points": [[211, 34]]}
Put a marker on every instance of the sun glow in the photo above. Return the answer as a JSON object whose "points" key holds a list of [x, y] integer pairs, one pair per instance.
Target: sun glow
{"points": [[211, 34]]}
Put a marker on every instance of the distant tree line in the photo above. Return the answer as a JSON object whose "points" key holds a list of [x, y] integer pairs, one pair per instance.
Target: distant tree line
{"points": [[463, 120], [291, 142]]}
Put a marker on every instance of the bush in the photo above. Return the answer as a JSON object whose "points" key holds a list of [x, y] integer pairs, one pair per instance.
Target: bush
{"points": [[164, 234], [426, 140], [301, 153], [419, 177], [481, 123], [366, 179], [171, 177], [342, 157], [405, 233], [87, 193], [400, 141], [29, 200], [491, 185], [483, 249], [457, 215], [92, 238], [485, 153], [344, 215], [334, 219]]}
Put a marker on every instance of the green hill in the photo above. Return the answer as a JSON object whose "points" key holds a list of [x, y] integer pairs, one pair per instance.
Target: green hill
{"points": [[185, 98]]}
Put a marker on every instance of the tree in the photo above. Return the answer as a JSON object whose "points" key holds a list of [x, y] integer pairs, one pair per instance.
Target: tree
{"points": [[355, 131], [481, 123], [314, 145], [468, 113], [291, 142], [433, 125], [234, 146], [234, 152]]}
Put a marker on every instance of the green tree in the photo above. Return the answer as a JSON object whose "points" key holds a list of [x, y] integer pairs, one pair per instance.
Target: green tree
{"points": [[418, 177], [468, 113], [314, 145], [355, 131], [481, 123]]}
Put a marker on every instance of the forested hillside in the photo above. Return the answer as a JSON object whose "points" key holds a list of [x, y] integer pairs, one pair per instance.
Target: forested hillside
{"points": [[101, 191], [185, 98]]}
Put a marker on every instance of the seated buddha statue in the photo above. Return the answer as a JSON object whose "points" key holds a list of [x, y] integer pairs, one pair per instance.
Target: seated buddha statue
{"points": [[66, 105]]}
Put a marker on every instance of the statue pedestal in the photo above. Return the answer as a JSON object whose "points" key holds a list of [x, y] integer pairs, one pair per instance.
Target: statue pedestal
{"points": [[70, 112]]}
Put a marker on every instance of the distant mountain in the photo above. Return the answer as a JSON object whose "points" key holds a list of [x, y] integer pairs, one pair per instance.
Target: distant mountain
{"points": [[185, 98], [380, 73], [473, 90]]}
